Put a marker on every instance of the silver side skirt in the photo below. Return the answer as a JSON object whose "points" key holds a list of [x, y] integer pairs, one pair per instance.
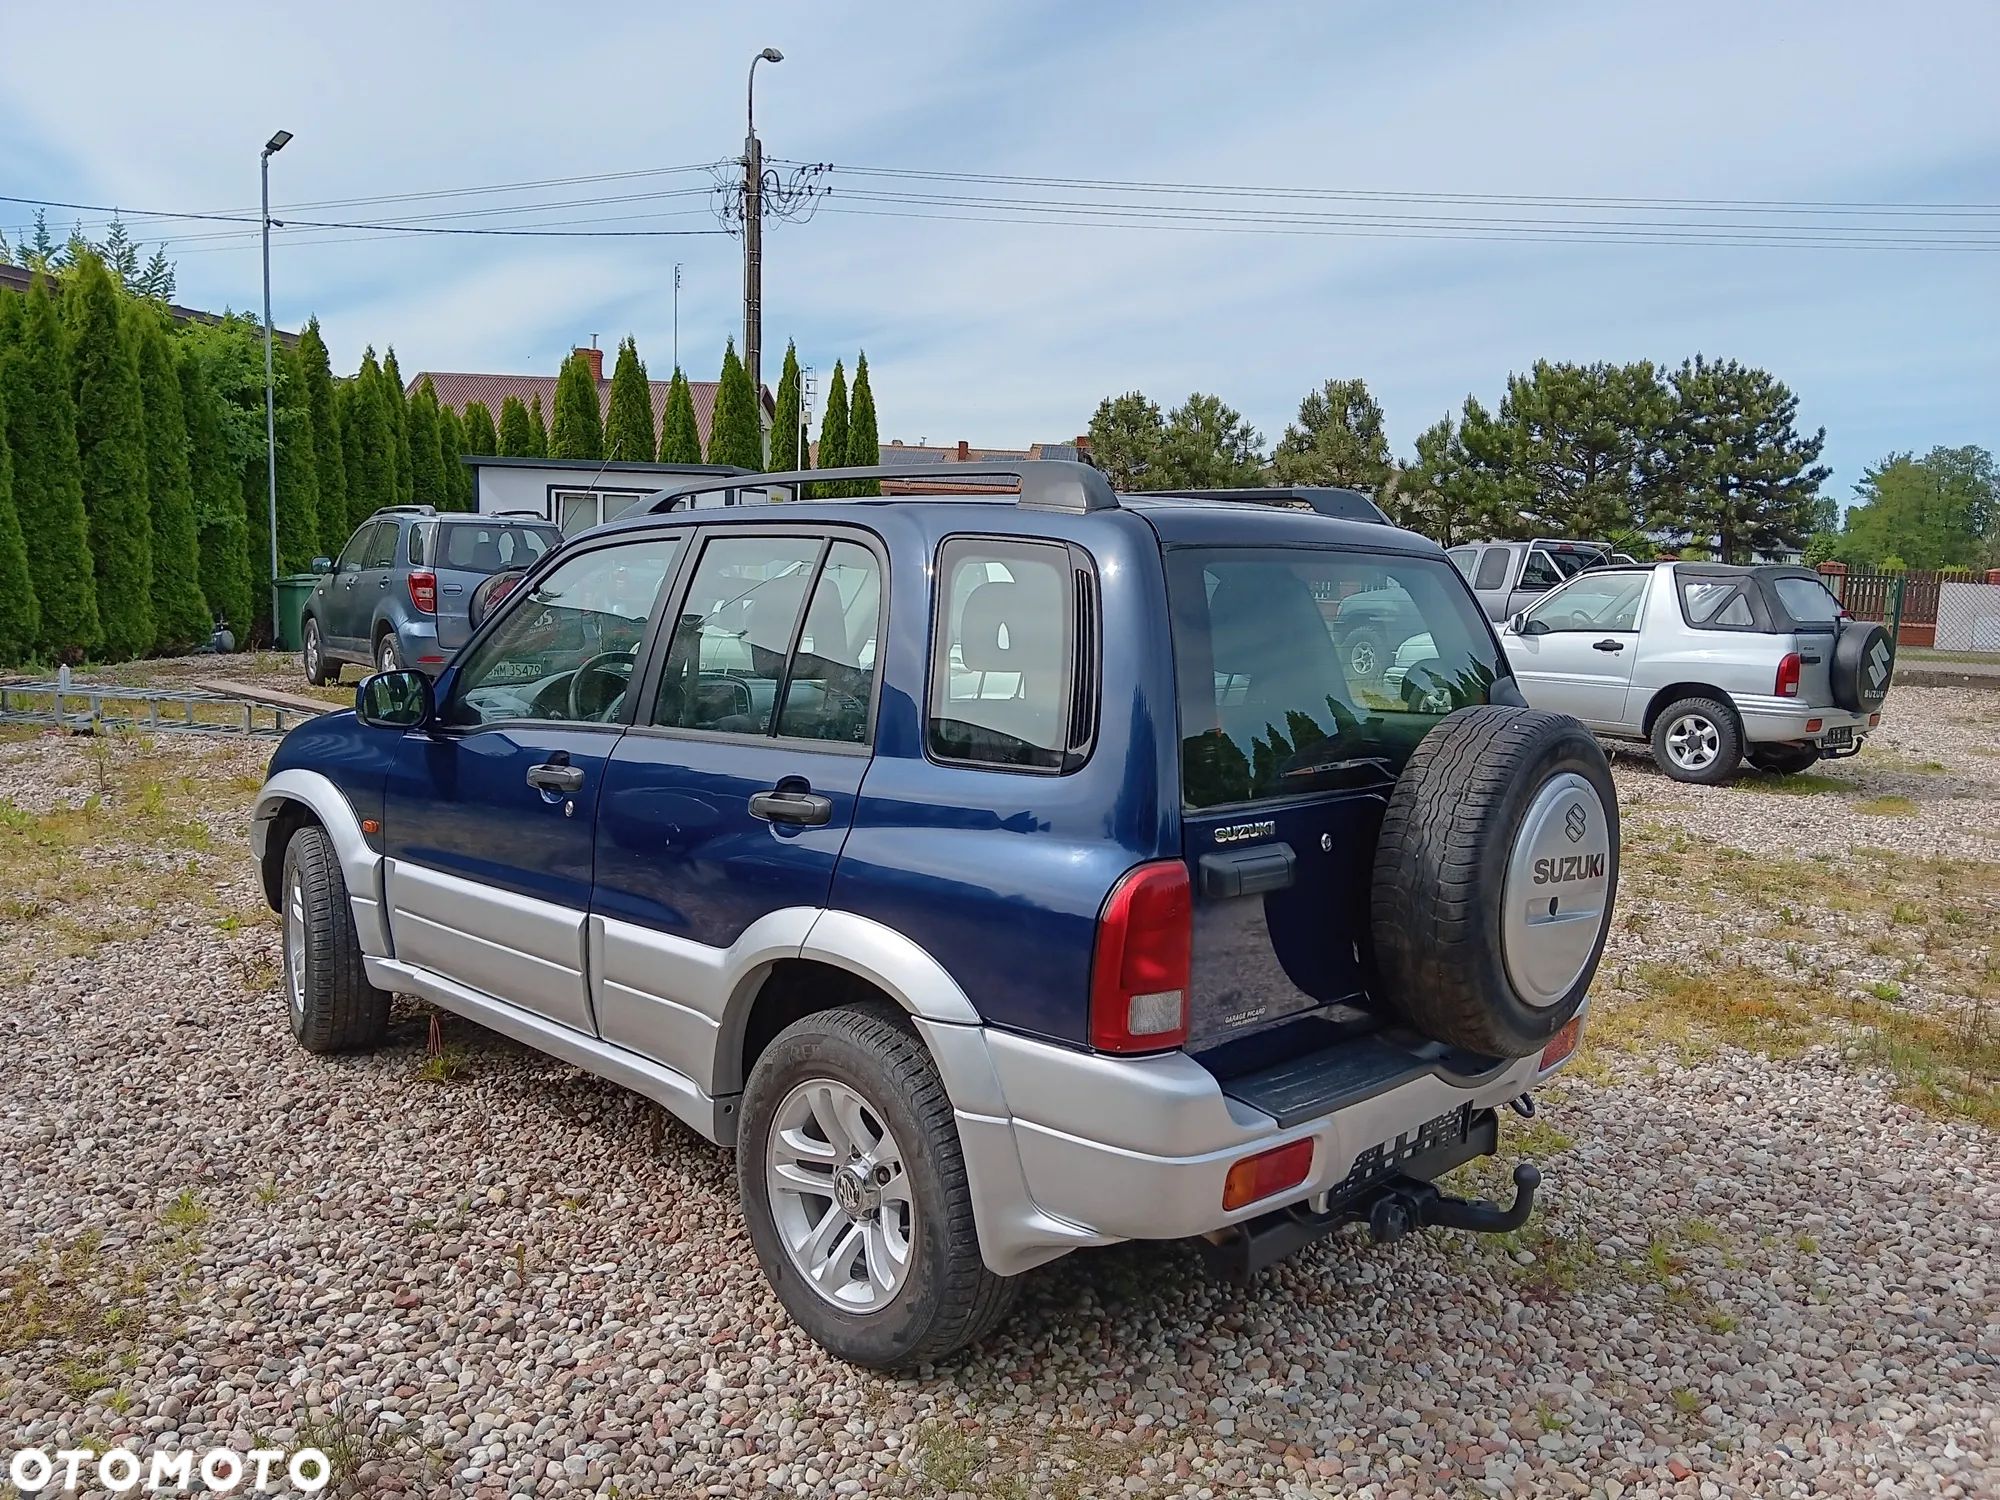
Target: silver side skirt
{"points": [[711, 1117]]}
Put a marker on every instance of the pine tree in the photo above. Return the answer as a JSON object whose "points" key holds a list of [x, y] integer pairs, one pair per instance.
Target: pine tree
{"points": [[477, 421], [218, 508], [785, 422], [680, 432], [427, 485], [111, 441], [368, 444], [330, 508], [399, 423], [1742, 476], [578, 429], [180, 614], [516, 437], [734, 434], [864, 445], [538, 429], [20, 616], [48, 480], [833, 432], [451, 448], [628, 430]]}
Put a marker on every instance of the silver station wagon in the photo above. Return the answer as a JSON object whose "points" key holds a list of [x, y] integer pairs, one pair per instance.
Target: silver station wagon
{"points": [[1709, 664]]}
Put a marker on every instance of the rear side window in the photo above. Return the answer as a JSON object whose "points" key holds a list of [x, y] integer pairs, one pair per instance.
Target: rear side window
{"points": [[419, 542], [1005, 688], [469, 547], [1716, 602], [1303, 670], [1808, 601], [381, 546], [1492, 569]]}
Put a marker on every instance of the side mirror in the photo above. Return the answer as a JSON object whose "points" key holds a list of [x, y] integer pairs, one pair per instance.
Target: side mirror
{"points": [[1534, 627], [322, 565], [395, 700]]}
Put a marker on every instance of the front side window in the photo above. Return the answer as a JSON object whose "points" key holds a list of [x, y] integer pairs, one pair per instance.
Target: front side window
{"points": [[565, 649], [1003, 662], [356, 549], [382, 546], [479, 547], [1593, 601], [1492, 569], [1277, 696], [734, 635]]}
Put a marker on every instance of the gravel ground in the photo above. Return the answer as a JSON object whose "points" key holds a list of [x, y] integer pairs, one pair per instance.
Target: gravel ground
{"points": [[1752, 1276]]}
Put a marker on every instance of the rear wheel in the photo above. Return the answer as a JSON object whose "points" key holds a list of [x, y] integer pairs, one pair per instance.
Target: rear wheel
{"points": [[1784, 760], [1366, 654], [1696, 740], [332, 1006], [854, 1187], [387, 657]]}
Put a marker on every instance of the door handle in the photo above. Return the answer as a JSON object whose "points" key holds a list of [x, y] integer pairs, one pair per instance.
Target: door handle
{"points": [[1607, 646], [808, 808], [381, 583], [554, 778]]}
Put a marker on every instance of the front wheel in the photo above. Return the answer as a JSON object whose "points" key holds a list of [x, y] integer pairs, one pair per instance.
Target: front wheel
{"points": [[854, 1187], [1696, 740]]}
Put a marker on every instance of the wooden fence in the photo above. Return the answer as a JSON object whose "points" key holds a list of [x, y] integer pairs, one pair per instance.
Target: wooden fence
{"points": [[1906, 601]]}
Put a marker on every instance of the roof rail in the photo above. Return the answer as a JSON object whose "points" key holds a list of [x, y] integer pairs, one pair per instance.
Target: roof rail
{"points": [[406, 510], [1046, 483], [1327, 500]]}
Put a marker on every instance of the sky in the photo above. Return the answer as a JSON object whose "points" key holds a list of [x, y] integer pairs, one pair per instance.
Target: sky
{"points": [[1008, 333]]}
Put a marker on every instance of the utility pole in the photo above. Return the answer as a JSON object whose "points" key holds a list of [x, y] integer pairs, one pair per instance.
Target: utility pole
{"points": [[276, 144], [677, 315], [805, 416], [753, 229]]}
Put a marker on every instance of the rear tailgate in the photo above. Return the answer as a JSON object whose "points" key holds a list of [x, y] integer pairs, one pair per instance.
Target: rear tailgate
{"points": [[1288, 758], [465, 553]]}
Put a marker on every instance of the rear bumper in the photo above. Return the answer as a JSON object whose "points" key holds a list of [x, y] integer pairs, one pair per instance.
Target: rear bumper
{"points": [[417, 644], [1777, 720], [1066, 1149]]}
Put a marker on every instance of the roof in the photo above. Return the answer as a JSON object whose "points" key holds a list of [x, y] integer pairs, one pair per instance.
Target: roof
{"points": [[457, 390], [20, 278], [619, 466]]}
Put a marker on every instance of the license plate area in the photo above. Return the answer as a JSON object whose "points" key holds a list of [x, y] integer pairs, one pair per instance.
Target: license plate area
{"points": [[1840, 738], [1386, 1160]]}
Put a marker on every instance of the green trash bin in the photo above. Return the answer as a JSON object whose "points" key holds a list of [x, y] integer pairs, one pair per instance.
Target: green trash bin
{"points": [[293, 591]]}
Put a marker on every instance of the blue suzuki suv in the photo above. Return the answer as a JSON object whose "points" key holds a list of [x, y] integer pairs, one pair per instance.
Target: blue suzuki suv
{"points": [[999, 874]]}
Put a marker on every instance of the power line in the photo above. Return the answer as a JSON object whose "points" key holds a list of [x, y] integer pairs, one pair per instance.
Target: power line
{"points": [[384, 226], [1805, 206]]}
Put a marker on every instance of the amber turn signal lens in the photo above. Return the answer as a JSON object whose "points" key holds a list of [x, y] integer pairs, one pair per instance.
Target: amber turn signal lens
{"points": [[1268, 1172], [1562, 1044]]}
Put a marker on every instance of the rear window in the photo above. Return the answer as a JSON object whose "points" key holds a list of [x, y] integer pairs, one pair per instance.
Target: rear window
{"points": [[1808, 601], [469, 547], [1302, 670]]}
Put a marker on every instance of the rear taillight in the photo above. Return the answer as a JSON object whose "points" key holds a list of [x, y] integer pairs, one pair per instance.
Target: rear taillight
{"points": [[424, 590], [1787, 685], [1145, 949]]}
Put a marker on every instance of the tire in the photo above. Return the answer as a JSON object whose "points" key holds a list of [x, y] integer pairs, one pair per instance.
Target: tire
{"points": [[946, 1298], [388, 658], [1696, 740], [1784, 760], [312, 655], [1864, 659], [332, 1006], [1499, 811], [1365, 654]]}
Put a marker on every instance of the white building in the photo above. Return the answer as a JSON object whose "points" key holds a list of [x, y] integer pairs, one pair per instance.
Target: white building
{"points": [[578, 494]]}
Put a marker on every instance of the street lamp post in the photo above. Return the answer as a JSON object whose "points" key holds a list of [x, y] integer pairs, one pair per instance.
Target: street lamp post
{"points": [[272, 147], [753, 227]]}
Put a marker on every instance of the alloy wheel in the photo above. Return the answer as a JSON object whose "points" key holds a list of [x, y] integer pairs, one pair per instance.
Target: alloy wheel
{"points": [[1693, 741], [840, 1196], [295, 946]]}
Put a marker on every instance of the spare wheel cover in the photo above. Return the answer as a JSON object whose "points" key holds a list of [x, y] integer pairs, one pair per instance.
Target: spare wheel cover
{"points": [[1557, 886]]}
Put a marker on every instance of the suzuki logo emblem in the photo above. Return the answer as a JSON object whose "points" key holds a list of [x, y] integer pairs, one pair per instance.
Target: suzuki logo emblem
{"points": [[1878, 666], [1575, 822]]}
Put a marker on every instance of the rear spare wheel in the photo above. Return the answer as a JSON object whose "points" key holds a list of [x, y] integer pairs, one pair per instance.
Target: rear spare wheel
{"points": [[1863, 660], [1494, 879]]}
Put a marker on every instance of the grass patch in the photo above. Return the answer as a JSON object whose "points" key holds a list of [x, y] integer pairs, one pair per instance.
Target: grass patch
{"points": [[1886, 807], [1805, 784], [446, 1065]]}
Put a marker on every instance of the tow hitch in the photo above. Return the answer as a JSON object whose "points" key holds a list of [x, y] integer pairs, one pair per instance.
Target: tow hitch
{"points": [[1406, 1204], [1390, 1204]]}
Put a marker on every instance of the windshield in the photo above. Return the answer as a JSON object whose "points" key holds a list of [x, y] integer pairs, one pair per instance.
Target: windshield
{"points": [[472, 547], [1304, 670]]}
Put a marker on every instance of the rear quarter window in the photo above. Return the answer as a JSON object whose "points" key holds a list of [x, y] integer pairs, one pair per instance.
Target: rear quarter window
{"points": [[1300, 669], [1808, 601]]}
